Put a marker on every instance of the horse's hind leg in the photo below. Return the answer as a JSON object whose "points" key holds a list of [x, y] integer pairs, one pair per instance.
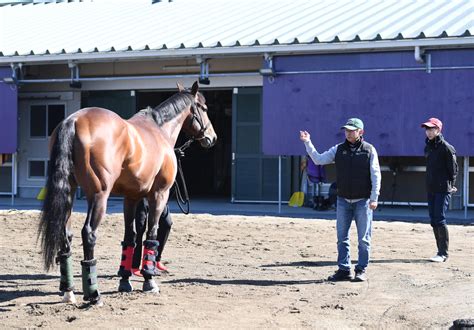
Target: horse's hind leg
{"points": [[96, 210], [64, 259], [128, 246]]}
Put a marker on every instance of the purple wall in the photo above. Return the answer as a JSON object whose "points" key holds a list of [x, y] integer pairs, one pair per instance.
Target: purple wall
{"points": [[8, 114], [391, 104]]}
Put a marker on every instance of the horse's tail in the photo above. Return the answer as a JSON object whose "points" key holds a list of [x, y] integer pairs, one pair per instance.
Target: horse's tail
{"points": [[57, 203]]}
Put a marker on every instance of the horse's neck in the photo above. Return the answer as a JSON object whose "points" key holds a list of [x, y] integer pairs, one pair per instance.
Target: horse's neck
{"points": [[173, 127]]}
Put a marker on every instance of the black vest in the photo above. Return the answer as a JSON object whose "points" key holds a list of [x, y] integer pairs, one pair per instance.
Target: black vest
{"points": [[353, 170]]}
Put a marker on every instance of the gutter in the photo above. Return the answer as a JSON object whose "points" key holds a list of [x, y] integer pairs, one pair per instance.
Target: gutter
{"points": [[241, 51]]}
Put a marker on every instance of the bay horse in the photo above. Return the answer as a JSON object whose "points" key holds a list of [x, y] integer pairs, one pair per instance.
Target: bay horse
{"points": [[97, 150]]}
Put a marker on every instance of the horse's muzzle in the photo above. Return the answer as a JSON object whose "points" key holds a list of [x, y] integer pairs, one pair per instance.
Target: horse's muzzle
{"points": [[208, 141]]}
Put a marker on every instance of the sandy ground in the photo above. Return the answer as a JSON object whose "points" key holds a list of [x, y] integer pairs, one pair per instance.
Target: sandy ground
{"points": [[245, 272]]}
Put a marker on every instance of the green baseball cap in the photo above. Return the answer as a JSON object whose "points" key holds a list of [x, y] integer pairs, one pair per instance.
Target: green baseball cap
{"points": [[353, 124]]}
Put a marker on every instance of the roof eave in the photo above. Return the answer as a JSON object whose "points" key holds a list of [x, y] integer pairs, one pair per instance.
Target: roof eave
{"points": [[290, 49]]}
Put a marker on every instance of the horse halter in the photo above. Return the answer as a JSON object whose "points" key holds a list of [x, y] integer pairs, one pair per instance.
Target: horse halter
{"points": [[197, 117]]}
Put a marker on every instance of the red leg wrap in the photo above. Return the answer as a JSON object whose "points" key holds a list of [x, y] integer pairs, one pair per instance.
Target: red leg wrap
{"points": [[127, 257], [148, 258]]}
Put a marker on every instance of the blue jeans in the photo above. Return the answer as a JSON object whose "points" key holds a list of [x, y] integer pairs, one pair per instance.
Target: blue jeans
{"points": [[437, 206], [362, 214]]}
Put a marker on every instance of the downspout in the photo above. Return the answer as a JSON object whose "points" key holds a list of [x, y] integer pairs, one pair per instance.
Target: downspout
{"points": [[422, 58], [466, 185]]}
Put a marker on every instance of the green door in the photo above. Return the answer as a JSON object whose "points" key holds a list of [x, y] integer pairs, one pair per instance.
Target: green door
{"points": [[254, 175], [121, 102]]}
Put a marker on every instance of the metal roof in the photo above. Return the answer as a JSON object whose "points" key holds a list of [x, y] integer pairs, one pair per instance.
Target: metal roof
{"points": [[82, 30]]}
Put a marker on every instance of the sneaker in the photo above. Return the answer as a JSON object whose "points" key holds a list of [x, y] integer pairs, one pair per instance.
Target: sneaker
{"points": [[439, 258], [340, 275], [161, 267], [360, 276]]}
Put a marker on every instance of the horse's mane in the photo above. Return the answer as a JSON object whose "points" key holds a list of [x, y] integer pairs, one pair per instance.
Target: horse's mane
{"points": [[169, 108]]}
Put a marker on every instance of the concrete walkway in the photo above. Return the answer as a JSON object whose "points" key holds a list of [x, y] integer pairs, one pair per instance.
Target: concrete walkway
{"points": [[219, 206]]}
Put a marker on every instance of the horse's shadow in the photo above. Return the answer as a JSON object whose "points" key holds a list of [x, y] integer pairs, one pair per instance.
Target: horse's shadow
{"points": [[303, 264], [25, 277], [14, 281], [243, 282], [333, 263], [400, 261], [12, 295]]}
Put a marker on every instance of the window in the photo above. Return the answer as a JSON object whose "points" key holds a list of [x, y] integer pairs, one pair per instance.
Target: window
{"points": [[6, 159], [45, 118], [37, 169]]}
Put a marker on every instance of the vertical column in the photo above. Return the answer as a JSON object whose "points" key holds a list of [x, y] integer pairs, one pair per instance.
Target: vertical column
{"points": [[465, 185]]}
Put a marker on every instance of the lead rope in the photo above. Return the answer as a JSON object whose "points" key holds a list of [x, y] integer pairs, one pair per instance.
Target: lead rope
{"points": [[182, 202]]}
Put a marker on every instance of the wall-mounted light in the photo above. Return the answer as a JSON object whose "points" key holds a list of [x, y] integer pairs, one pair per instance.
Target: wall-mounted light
{"points": [[204, 71], [17, 74], [75, 80]]}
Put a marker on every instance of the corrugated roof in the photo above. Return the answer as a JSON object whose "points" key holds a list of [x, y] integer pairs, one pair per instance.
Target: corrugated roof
{"points": [[124, 26]]}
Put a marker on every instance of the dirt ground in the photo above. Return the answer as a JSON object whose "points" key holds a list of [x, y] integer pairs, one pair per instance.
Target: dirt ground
{"points": [[245, 272]]}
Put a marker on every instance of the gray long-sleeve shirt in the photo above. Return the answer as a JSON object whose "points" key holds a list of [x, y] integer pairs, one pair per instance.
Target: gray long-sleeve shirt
{"points": [[329, 156]]}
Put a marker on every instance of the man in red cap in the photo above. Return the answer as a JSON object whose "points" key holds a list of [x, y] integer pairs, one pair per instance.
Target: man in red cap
{"points": [[441, 171]]}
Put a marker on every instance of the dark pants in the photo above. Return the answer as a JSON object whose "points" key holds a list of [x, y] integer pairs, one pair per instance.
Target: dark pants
{"points": [[437, 206]]}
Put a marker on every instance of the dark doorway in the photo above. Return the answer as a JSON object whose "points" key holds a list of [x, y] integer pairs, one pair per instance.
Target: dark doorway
{"points": [[207, 172]]}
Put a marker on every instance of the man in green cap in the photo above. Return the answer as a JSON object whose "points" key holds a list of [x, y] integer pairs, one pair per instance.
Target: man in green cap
{"points": [[358, 188]]}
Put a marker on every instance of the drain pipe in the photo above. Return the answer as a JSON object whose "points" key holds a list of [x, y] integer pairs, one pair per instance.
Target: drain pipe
{"points": [[422, 58], [465, 185], [419, 55], [196, 75]]}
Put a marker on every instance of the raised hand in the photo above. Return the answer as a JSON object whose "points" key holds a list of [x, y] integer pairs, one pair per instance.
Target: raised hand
{"points": [[304, 136]]}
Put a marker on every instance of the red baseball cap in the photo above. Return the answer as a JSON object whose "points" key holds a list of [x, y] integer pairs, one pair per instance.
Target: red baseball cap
{"points": [[433, 122]]}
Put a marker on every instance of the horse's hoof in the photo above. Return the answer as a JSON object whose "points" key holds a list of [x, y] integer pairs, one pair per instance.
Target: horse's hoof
{"points": [[96, 302], [94, 299], [150, 286], [125, 286], [69, 297]]}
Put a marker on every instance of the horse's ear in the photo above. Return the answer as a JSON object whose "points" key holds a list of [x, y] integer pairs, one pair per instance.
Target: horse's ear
{"points": [[180, 87], [195, 88]]}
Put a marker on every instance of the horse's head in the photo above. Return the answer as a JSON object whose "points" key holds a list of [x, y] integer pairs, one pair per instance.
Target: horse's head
{"points": [[198, 124]]}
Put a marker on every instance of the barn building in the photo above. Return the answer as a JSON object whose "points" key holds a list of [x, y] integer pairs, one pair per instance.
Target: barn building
{"points": [[268, 68]]}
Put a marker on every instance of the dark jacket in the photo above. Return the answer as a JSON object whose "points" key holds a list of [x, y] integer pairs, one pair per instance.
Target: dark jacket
{"points": [[353, 170], [441, 165]]}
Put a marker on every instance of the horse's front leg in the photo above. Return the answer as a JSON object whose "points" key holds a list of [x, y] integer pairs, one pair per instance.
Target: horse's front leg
{"points": [[97, 205], [157, 203], [128, 245]]}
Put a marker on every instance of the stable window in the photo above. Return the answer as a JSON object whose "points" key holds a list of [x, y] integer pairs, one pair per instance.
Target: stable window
{"points": [[6, 159], [37, 169], [45, 118]]}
